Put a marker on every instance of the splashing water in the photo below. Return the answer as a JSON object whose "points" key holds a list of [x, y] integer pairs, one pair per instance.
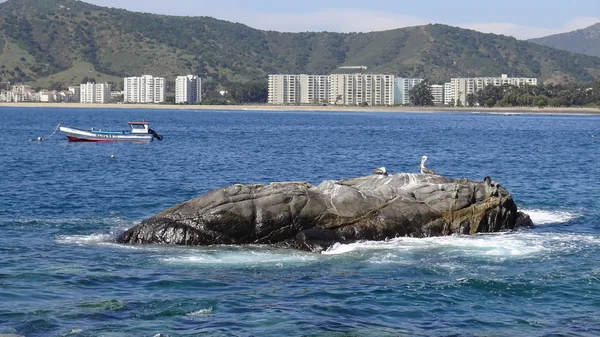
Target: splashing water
{"points": [[544, 217]]}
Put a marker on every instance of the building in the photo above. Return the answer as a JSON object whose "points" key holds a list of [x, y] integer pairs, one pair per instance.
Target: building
{"points": [[68, 96], [94, 93], [114, 95], [402, 87], [463, 87], [284, 89], [314, 89], [49, 96], [336, 89], [21, 89], [437, 91], [144, 89], [75, 92], [361, 89], [188, 89], [447, 93]]}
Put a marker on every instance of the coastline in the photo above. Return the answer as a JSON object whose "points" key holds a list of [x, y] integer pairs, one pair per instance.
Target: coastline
{"points": [[266, 107]]}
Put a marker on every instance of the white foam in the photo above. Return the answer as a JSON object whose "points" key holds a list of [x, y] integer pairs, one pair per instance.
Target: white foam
{"points": [[499, 246], [242, 257], [544, 217], [83, 239], [200, 312], [494, 245]]}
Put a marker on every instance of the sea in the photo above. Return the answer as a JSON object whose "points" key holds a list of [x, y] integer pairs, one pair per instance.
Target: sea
{"points": [[63, 204]]}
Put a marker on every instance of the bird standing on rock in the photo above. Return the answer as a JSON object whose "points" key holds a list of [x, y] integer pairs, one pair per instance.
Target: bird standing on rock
{"points": [[425, 170]]}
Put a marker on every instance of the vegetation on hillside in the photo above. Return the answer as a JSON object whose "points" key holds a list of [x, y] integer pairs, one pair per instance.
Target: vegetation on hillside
{"points": [[40, 39], [583, 41]]}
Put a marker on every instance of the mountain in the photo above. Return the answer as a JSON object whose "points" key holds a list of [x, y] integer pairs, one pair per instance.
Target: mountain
{"points": [[583, 41], [44, 42]]}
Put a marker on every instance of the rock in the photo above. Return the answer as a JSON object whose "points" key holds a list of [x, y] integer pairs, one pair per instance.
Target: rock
{"points": [[303, 216]]}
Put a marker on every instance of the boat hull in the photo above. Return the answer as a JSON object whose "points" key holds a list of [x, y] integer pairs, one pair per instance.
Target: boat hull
{"points": [[78, 135]]}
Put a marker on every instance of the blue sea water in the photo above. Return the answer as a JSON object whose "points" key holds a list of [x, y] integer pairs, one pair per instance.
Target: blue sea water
{"points": [[62, 205]]}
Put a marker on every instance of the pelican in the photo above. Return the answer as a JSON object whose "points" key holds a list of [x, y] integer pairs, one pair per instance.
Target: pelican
{"points": [[425, 170], [380, 170]]}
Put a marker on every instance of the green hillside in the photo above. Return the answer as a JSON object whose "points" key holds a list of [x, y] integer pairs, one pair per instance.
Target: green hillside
{"points": [[583, 41], [47, 41]]}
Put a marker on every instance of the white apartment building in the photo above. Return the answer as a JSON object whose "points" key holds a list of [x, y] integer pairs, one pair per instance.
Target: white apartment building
{"points": [[314, 89], [284, 89], [49, 96], [144, 89], [462, 87], [18, 93], [437, 91], [337, 89], [188, 89], [21, 89], [447, 93], [402, 87], [94, 93], [361, 89]]}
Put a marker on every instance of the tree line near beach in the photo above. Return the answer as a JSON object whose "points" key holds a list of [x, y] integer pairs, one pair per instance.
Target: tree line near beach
{"points": [[507, 95]]}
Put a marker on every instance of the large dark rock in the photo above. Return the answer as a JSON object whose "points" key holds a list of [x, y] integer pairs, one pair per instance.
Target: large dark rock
{"points": [[308, 217]]}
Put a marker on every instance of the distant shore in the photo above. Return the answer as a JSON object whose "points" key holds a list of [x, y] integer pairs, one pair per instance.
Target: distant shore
{"points": [[332, 108]]}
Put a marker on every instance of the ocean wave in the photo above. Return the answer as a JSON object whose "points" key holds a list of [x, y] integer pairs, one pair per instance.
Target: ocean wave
{"points": [[243, 256], [545, 217], [83, 239], [497, 245], [200, 312]]}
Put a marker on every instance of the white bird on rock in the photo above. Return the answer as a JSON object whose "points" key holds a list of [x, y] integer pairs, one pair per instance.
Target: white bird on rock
{"points": [[425, 170], [381, 171]]}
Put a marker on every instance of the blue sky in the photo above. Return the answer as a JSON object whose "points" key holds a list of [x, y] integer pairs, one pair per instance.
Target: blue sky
{"points": [[519, 18]]}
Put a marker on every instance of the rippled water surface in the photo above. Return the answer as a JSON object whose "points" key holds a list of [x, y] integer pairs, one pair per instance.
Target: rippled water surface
{"points": [[62, 204]]}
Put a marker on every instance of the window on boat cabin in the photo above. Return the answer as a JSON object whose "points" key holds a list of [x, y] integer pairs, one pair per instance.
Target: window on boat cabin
{"points": [[137, 126]]}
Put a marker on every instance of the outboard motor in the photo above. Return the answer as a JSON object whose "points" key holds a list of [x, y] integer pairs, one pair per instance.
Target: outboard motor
{"points": [[156, 135]]}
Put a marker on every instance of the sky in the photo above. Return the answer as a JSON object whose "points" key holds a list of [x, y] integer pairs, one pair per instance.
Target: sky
{"points": [[523, 19]]}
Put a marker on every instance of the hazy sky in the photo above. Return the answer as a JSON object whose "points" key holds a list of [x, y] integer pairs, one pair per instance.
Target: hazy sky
{"points": [[519, 18]]}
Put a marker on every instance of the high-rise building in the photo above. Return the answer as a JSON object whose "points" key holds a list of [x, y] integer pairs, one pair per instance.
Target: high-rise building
{"points": [[336, 89], [437, 91], [188, 89], [402, 87], [447, 93], [361, 89], [144, 89], [463, 87], [284, 89], [314, 89], [94, 93]]}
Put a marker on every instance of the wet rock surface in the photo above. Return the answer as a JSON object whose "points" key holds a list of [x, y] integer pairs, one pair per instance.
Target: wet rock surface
{"points": [[308, 217]]}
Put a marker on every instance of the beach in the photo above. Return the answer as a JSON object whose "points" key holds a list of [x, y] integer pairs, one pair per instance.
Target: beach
{"points": [[332, 108]]}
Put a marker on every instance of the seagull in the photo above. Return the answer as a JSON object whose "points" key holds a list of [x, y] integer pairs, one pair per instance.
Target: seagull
{"points": [[425, 170], [380, 170]]}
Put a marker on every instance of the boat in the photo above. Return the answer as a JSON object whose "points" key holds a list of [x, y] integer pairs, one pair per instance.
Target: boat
{"points": [[139, 132]]}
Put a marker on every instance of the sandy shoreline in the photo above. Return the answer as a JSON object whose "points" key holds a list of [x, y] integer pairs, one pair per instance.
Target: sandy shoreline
{"points": [[265, 107]]}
